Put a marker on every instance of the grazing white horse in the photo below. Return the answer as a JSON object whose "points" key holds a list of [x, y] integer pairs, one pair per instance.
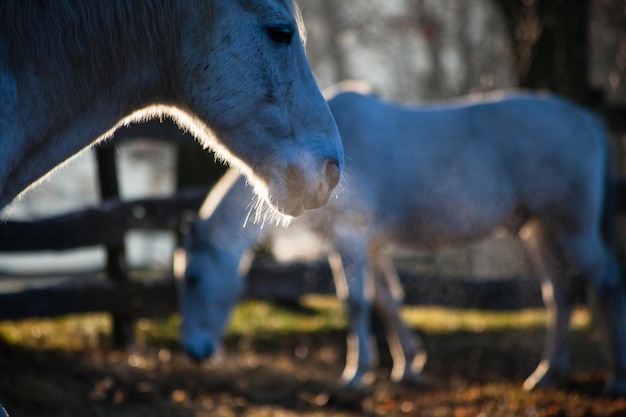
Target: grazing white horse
{"points": [[426, 177], [232, 72]]}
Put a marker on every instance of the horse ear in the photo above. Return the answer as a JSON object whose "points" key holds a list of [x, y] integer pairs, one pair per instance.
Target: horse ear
{"points": [[187, 221]]}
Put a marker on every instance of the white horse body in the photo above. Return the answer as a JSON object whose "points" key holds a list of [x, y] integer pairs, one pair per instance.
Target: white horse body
{"points": [[439, 176], [234, 73]]}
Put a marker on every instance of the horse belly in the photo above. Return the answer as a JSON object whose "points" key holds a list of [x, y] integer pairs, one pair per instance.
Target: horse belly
{"points": [[452, 224]]}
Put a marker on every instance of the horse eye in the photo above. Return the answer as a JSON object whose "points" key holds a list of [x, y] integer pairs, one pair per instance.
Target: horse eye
{"points": [[192, 280], [281, 33]]}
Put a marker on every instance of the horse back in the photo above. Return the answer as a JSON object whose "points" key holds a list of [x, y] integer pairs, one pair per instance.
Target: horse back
{"points": [[557, 151], [468, 165]]}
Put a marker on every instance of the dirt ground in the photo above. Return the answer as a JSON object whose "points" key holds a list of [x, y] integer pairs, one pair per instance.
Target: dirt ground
{"points": [[469, 374]]}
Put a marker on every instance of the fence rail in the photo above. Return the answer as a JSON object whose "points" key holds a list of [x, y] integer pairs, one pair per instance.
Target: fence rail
{"points": [[102, 225], [156, 297]]}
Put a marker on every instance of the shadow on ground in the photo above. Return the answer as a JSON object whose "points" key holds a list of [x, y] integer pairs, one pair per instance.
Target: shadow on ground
{"points": [[468, 374]]}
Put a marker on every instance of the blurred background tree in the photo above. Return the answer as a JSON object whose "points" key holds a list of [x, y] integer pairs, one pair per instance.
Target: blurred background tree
{"points": [[415, 50]]}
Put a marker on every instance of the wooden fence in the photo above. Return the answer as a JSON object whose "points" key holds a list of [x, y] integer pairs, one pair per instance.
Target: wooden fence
{"points": [[128, 295]]}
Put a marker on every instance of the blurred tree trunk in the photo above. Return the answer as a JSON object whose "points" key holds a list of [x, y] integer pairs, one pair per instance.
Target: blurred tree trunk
{"points": [[330, 10], [432, 34], [468, 76], [550, 44], [196, 166]]}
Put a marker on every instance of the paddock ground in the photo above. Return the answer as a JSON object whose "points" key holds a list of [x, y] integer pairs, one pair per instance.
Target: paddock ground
{"points": [[476, 367]]}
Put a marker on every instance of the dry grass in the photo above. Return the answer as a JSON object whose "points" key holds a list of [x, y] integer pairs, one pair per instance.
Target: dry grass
{"points": [[285, 362]]}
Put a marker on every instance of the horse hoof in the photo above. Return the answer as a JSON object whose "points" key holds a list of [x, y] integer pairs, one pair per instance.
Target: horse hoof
{"points": [[360, 380], [545, 382], [410, 379], [544, 377]]}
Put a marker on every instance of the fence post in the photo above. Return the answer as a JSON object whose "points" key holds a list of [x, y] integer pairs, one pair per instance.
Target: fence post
{"points": [[196, 166], [116, 266]]}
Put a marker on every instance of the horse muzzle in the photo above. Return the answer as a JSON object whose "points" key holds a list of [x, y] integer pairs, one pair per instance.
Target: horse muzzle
{"points": [[302, 192], [201, 351]]}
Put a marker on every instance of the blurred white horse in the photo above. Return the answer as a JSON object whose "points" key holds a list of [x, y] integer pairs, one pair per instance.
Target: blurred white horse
{"points": [[423, 178], [232, 72]]}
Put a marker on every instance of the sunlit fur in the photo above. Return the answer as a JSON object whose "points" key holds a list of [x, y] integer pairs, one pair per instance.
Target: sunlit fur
{"points": [[71, 71], [261, 212], [436, 176]]}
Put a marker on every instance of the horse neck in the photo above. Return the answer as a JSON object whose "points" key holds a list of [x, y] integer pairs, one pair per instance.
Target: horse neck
{"points": [[235, 238], [78, 82], [112, 43]]}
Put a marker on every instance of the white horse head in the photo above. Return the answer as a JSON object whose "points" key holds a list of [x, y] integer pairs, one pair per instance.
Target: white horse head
{"points": [[233, 72], [211, 263], [210, 286]]}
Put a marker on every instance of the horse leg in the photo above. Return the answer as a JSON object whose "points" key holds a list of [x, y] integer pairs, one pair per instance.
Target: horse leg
{"points": [[595, 261], [610, 312], [591, 260], [548, 261], [355, 289], [406, 347]]}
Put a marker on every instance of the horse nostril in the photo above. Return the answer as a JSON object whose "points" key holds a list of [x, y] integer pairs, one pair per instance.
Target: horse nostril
{"points": [[332, 174]]}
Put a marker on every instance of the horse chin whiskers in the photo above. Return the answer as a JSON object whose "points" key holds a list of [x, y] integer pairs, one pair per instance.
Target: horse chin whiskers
{"points": [[260, 211]]}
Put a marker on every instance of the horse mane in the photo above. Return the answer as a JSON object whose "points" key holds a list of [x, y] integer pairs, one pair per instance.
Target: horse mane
{"points": [[297, 15], [97, 38]]}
